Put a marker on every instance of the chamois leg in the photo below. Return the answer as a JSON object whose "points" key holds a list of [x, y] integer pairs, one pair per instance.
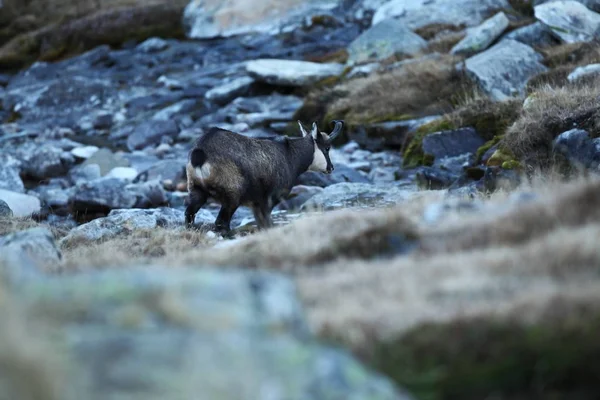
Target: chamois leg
{"points": [[223, 221], [262, 214], [196, 200]]}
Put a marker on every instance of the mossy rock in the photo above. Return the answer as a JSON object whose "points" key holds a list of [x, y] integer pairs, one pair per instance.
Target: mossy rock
{"points": [[413, 155], [488, 118], [492, 358], [484, 149], [503, 158]]}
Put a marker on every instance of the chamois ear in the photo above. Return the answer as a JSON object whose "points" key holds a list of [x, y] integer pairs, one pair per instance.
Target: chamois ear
{"points": [[302, 130], [315, 130]]}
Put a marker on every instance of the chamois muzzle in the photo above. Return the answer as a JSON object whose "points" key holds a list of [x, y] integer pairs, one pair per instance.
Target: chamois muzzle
{"points": [[339, 125]]}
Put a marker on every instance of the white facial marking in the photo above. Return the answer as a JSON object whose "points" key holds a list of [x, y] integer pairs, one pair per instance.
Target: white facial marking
{"points": [[203, 172], [319, 163]]}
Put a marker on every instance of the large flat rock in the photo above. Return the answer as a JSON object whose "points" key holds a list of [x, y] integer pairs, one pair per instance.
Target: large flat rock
{"points": [[569, 20], [291, 72], [504, 69], [419, 13]]}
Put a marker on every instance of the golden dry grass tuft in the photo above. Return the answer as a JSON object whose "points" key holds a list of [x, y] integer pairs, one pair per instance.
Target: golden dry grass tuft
{"points": [[550, 112], [421, 87]]}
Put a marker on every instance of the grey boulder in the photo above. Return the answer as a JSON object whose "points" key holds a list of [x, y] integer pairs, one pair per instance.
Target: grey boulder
{"points": [[102, 195], [452, 143], [188, 333], [22, 205], [536, 34], [569, 20], [10, 178], [36, 246], [291, 72], [580, 151], [229, 91], [383, 40], [5, 211], [480, 37], [503, 70], [416, 14]]}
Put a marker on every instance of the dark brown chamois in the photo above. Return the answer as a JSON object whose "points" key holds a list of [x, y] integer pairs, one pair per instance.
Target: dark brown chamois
{"points": [[236, 170]]}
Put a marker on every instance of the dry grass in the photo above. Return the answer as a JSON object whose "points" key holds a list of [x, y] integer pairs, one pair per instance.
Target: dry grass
{"points": [[419, 88], [551, 112], [140, 246]]}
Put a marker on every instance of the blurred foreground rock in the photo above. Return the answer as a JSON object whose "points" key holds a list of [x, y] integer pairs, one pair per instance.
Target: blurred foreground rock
{"points": [[163, 333]]}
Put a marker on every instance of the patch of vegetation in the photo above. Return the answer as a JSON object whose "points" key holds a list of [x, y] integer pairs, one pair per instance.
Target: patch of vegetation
{"points": [[488, 145], [489, 118], [522, 7], [549, 112], [419, 88], [483, 357]]}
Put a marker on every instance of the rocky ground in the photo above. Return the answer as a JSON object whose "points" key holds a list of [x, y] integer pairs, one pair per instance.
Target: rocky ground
{"points": [[447, 256]]}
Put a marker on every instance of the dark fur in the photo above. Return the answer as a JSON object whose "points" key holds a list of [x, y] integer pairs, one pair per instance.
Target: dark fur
{"points": [[247, 171]]}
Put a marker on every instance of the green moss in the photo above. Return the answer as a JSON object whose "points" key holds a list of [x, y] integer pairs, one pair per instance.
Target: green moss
{"points": [[488, 358], [488, 118], [501, 156], [488, 145], [511, 164], [413, 155]]}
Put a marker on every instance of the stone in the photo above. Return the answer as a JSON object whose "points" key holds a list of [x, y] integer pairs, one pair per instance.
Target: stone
{"points": [[150, 133], [120, 221], [10, 178], [503, 70], [153, 45], [416, 14], [215, 18], [452, 143], [165, 170], [22, 205], [101, 195], [259, 111], [46, 162], [34, 245], [579, 149], [384, 40], [383, 135], [593, 5], [292, 72], [569, 20], [5, 211], [358, 195], [176, 111], [534, 35], [298, 196], [341, 173], [587, 71], [432, 178], [106, 160], [480, 37], [150, 331], [84, 152], [148, 194], [229, 91], [123, 173], [84, 173]]}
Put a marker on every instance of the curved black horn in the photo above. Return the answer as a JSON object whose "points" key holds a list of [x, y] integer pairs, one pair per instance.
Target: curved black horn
{"points": [[339, 125]]}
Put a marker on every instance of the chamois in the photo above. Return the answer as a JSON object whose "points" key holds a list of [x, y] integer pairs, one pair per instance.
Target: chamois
{"points": [[236, 170]]}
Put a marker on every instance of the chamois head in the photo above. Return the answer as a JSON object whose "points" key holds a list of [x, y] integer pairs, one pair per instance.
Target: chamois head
{"points": [[322, 142]]}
